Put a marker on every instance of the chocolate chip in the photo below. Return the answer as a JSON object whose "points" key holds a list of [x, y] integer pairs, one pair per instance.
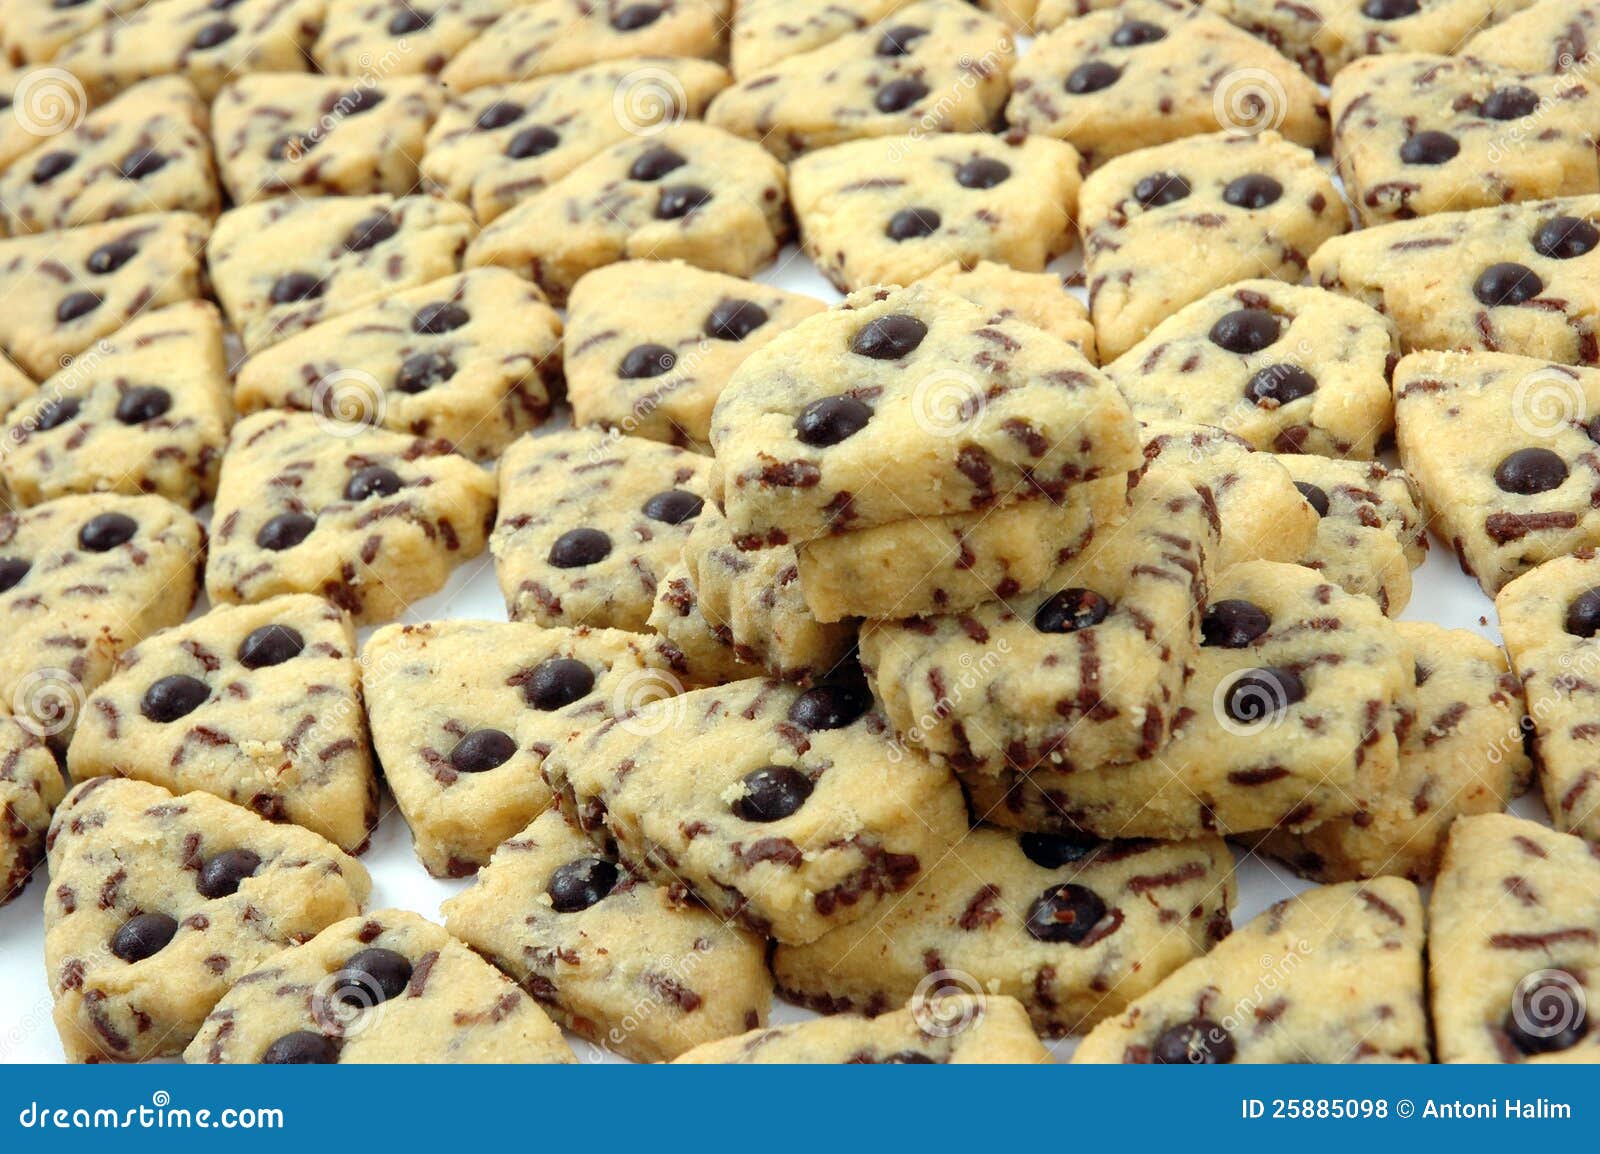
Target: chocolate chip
{"points": [[897, 40], [1256, 190], [1257, 694], [174, 696], [372, 481], [829, 420], [408, 20], [296, 286], [270, 645], [1197, 1042], [54, 414], [983, 172], [213, 34], [1161, 188], [771, 793], [422, 371], [1054, 850], [1132, 33], [1233, 623], [111, 256], [1065, 913], [222, 873], [359, 100], [912, 224], [644, 361], [140, 163], [438, 318], [1547, 1015], [1430, 147], [1530, 471], [831, 705], [371, 977], [1092, 77], [1390, 9], [1315, 496], [557, 682], [889, 338], [75, 305], [679, 200], [674, 506], [535, 140], [499, 114], [481, 750], [12, 571], [1583, 615], [1246, 331], [1565, 237], [733, 320], [105, 531], [899, 95], [51, 165], [655, 163], [285, 531], [1512, 102], [1507, 284], [1276, 385], [582, 883], [301, 1048], [371, 232], [579, 547], [1070, 610], [143, 403], [636, 16], [143, 936]]}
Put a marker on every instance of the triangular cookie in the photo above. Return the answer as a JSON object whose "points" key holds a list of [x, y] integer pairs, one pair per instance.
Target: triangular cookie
{"points": [[397, 36], [1547, 36], [767, 31]]}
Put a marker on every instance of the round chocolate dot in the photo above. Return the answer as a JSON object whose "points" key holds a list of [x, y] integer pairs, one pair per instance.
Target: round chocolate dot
{"points": [[655, 163], [557, 682], [1583, 614], [213, 34], [12, 571], [1430, 147], [408, 20], [1277, 385], [174, 696], [1065, 913], [897, 40], [1054, 850], [831, 705], [674, 506], [1530, 471], [371, 232], [1160, 188], [1507, 284], [421, 371], [140, 163], [1092, 77], [1197, 1042], [301, 1048], [579, 547], [54, 414], [105, 531], [296, 286], [636, 16], [899, 95], [438, 318], [270, 645], [1246, 331], [535, 140], [1390, 9], [1510, 103], [644, 361], [1316, 496], [1233, 623], [1547, 1015], [1070, 610], [1257, 694], [111, 256], [889, 338], [75, 305], [359, 100], [912, 224], [1565, 237], [771, 793], [371, 977], [371, 481], [143, 403], [499, 114], [143, 936], [679, 200], [733, 320], [221, 874], [285, 531], [51, 165], [582, 883], [982, 172], [1255, 190], [481, 750], [829, 420], [1133, 33]]}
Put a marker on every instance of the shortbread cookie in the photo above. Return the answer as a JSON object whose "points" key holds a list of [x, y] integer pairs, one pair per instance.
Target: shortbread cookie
{"points": [[1165, 226], [908, 403], [1152, 71], [281, 266], [705, 652], [1548, 617], [562, 35], [446, 699], [496, 146], [33, 31], [196, 39], [1516, 279], [371, 520], [792, 811], [1331, 976], [472, 359], [66, 290], [1287, 368], [81, 579], [1041, 299], [1548, 36], [1501, 449], [767, 31], [394, 37], [158, 904], [30, 789], [1287, 721], [257, 704], [651, 344], [1370, 530], [1086, 671], [635, 967], [588, 523], [894, 209], [145, 151], [144, 411], [1416, 134], [387, 987], [1460, 753], [688, 192], [944, 1027], [1072, 928], [284, 132], [1512, 951], [933, 66]]}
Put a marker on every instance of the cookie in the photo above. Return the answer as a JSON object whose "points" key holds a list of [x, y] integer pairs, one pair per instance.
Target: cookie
{"points": [[1512, 948], [145, 151], [792, 811], [1287, 720], [1460, 754], [1153, 71], [1040, 299], [893, 209], [1516, 279], [15, 385], [688, 192], [562, 35], [943, 1028], [495, 146], [393, 38], [908, 403], [66, 290], [371, 520], [589, 522], [81, 579], [472, 359], [145, 410], [1548, 616], [635, 967], [446, 699], [384, 987], [257, 704], [278, 133], [1287, 368], [705, 652], [1074, 929], [767, 31], [1499, 447], [1084, 672], [651, 344], [1165, 226], [194, 39], [34, 32], [159, 903], [281, 266], [30, 789], [1370, 530], [933, 66], [1416, 134], [1331, 976], [1547, 36]]}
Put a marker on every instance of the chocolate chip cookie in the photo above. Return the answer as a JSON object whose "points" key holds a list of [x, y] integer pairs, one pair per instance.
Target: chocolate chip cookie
{"points": [[1041, 299], [30, 789], [395, 37], [767, 31], [1547, 36], [35, 32]]}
